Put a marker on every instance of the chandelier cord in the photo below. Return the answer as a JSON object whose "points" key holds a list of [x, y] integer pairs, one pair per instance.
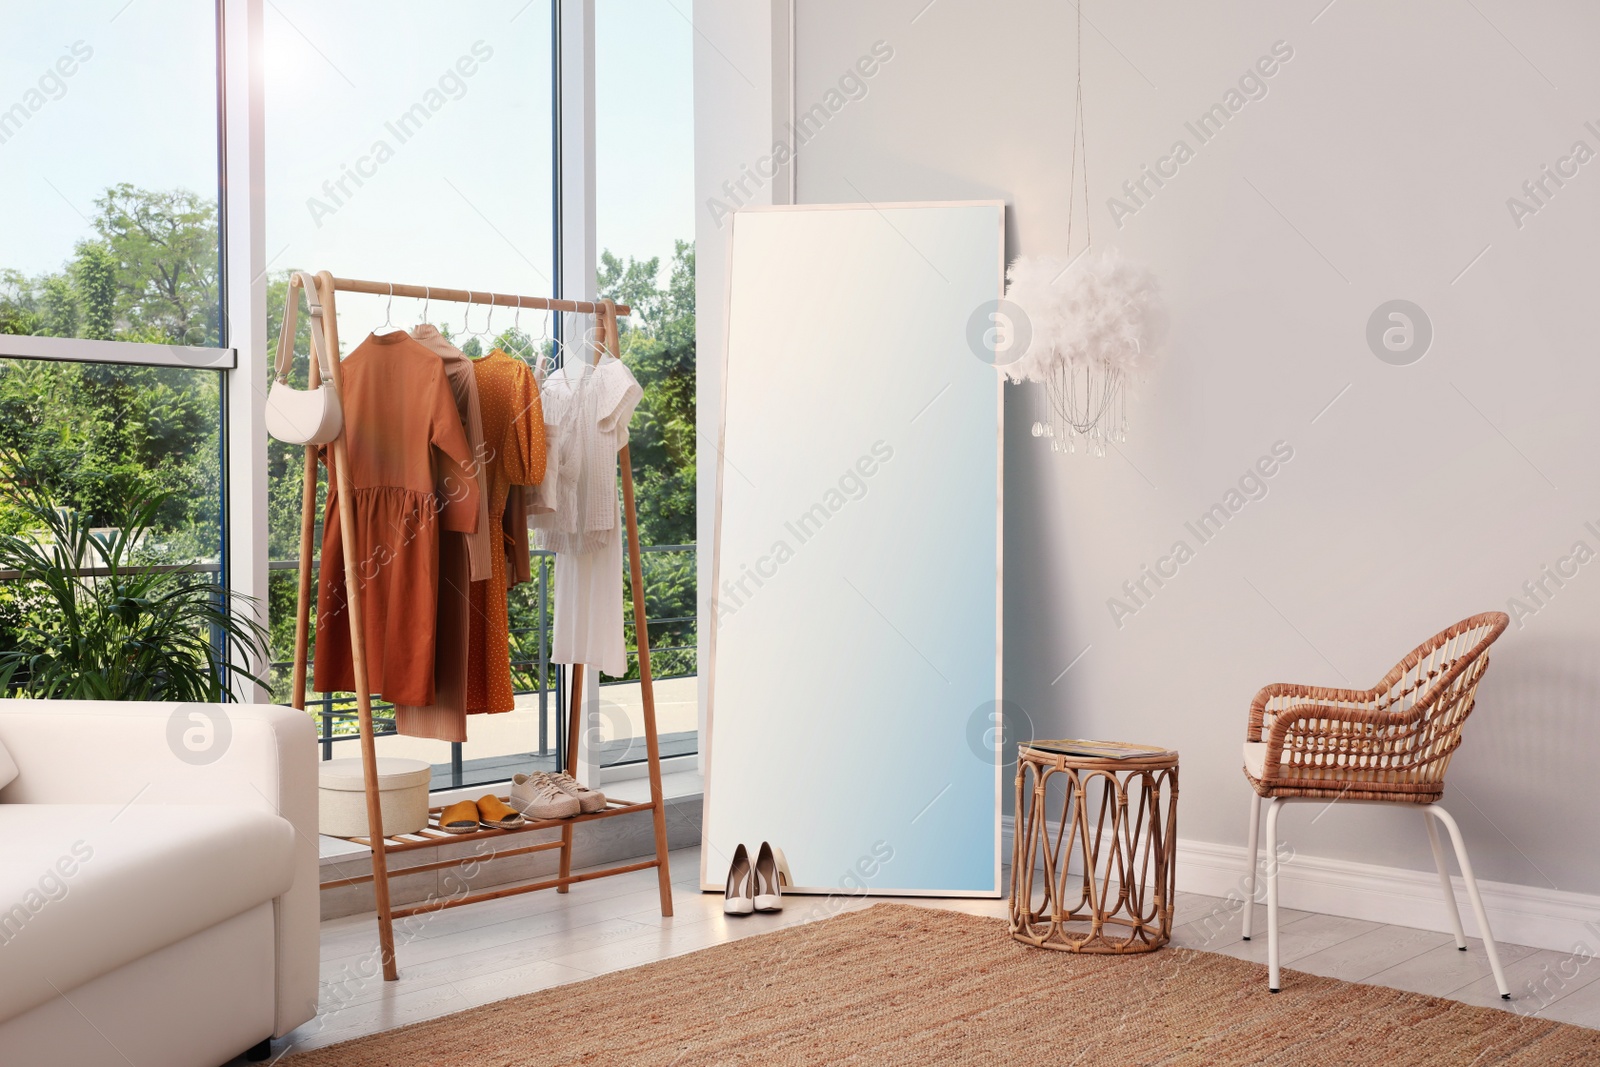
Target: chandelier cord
{"points": [[1079, 139]]}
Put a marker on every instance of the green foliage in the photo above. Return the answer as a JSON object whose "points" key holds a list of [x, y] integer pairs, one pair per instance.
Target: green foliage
{"points": [[59, 304], [632, 283], [96, 435], [19, 304], [661, 354], [166, 249], [660, 350], [151, 273], [131, 633], [16, 320], [96, 275]]}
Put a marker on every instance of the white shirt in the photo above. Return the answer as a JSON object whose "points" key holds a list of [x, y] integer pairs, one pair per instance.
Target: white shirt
{"points": [[589, 408], [594, 406]]}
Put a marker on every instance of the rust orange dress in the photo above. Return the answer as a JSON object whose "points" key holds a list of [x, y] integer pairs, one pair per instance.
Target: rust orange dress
{"points": [[406, 444], [513, 435]]}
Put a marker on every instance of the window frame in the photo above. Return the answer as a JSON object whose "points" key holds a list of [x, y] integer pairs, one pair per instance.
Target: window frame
{"points": [[242, 352], [242, 539], [126, 353], [222, 356]]}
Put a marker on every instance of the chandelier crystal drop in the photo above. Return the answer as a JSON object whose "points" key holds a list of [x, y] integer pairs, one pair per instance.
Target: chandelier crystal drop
{"points": [[1088, 404]]}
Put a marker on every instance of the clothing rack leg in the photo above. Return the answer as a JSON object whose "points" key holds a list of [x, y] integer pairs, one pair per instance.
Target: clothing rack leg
{"points": [[308, 530], [641, 638], [658, 804], [574, 726], [302, 619], [358, 651]]}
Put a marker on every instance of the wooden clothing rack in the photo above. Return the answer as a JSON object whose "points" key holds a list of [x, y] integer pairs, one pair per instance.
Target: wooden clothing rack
{"points": [[381, 844]]}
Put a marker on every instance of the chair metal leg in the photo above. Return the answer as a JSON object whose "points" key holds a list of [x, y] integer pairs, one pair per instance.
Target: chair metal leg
{"points": [[1250, 875], [1472, 894], [1444, 880], [1274, 974]]}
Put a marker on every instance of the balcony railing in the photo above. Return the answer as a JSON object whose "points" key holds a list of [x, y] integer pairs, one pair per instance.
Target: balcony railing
{"points": [[531, 670], [533, 674]]}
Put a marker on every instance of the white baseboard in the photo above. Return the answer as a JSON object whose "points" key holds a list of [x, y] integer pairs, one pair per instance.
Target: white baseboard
{"points": [[1518, 914]]}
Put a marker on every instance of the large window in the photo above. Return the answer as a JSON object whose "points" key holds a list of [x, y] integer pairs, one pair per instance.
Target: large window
{"points": [[431, 161], [406, 140], [644, 216], [411, 140], [444, 170], [108, 170], [103, 436]]}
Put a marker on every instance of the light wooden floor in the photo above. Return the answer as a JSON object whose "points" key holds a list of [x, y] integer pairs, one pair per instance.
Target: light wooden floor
{"points": [[473, 955]]}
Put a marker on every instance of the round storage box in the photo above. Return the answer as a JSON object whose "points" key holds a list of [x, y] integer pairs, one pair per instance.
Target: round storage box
{"points": [[342, 796]]}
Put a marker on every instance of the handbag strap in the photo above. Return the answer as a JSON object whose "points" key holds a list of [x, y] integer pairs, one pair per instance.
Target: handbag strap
{"points": [[291, 305]]}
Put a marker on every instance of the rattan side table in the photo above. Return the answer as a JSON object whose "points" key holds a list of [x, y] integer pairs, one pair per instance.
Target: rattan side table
{"points": [[1116, 822]]}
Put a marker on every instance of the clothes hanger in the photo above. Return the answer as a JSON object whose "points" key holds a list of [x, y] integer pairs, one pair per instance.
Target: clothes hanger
{"points": [[533, 358], [571, 365], [576, 362], [542, 364], [514, 334], [388, 317], [516, 338], [592, 341]]}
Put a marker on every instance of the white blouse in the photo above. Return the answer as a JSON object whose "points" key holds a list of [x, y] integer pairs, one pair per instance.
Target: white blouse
{"points": [[588, 408]]}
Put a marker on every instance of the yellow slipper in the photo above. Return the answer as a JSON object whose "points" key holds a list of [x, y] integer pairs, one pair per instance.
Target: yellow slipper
{"points": [[496, 815], [461, 818]]}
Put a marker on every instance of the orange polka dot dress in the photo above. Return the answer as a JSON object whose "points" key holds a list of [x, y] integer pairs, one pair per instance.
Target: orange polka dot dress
{"points": [[513, 436]]}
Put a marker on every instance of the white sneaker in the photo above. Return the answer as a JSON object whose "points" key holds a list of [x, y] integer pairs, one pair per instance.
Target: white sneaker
{"points": [[588, 799], [538, 798]]}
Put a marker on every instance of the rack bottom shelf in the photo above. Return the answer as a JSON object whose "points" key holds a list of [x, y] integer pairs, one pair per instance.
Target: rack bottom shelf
{"points": [[432, 836]]}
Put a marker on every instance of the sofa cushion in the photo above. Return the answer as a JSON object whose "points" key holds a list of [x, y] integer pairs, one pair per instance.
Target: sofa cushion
{"points": [[86, 888], [8, 768]]}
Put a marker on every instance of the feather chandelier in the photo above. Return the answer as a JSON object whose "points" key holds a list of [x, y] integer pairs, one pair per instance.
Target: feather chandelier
{"points": [[1094, 322]]}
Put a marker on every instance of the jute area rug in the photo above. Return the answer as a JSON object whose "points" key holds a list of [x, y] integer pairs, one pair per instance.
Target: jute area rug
{"points": [[904, 985]]}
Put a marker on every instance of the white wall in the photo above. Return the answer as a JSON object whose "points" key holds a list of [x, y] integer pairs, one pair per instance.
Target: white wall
{"points": [[741, 80], [1377, 166]]}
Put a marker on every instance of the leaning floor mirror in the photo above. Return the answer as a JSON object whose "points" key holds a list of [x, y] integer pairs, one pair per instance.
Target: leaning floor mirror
{"points": [[854, 660]]}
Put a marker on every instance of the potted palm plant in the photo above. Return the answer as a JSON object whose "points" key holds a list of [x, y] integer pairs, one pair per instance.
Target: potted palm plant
{"points": [[94, 618]]}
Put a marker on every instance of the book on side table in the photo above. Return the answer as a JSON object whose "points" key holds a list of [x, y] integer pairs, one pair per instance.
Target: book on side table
{"points": [[1098, 749]]}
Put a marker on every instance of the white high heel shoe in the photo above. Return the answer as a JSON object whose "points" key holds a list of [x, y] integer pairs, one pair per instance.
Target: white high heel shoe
{"points": [[772, 874], [738, 898]]}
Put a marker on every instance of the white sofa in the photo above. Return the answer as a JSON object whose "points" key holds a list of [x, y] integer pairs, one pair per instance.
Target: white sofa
{"points": [[158, 881]]}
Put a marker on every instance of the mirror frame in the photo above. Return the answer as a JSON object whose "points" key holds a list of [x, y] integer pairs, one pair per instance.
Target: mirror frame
{"points": [[708, 606]]}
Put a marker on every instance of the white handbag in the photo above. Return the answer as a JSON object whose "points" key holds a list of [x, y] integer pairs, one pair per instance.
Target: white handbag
{"points": [[303, 416]]}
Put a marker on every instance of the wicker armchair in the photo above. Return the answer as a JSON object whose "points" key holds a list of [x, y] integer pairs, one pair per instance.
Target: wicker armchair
{"points": [[1392, 742], [1388, 744]]}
